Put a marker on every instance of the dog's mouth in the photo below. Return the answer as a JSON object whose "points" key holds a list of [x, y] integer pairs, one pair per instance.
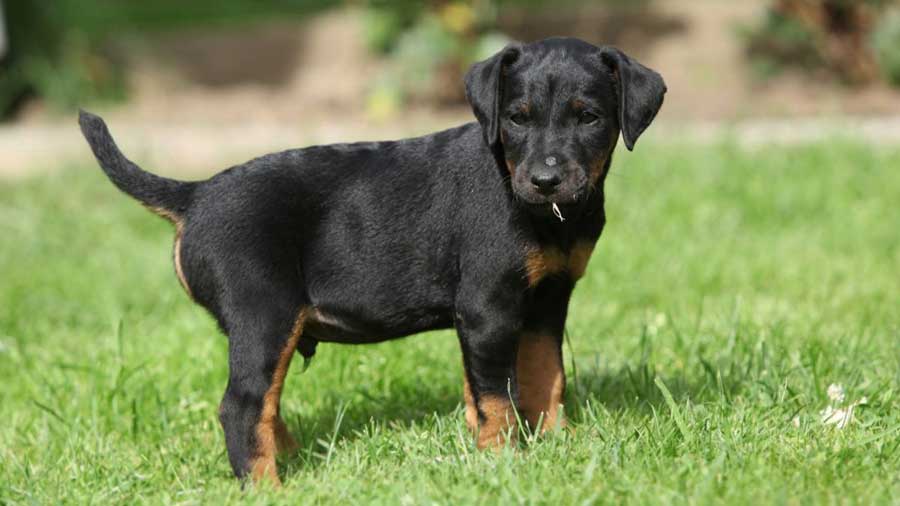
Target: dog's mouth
{"points": [[570, 191], [559, 198], [558, 202], [559, 210]]}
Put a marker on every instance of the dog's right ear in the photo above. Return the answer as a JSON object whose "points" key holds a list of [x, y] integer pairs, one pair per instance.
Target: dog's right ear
{"points": [[484, 91]]}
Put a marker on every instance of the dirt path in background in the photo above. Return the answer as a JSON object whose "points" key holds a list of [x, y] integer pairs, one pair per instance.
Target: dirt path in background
{"points": [[193, 150]]}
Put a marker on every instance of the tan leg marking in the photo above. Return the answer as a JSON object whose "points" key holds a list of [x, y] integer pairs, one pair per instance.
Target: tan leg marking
{"points": [[263, 465], [543, 262], [542, 380], [499, 422], [285, 444], [471, 410]]}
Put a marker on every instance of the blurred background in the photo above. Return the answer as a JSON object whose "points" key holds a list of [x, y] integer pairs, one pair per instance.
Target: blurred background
{"points": [[195, 85], [748, 268]]}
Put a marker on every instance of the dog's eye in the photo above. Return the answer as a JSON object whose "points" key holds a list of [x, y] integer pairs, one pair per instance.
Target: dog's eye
{"points": [[587, 118], [519, 118]]}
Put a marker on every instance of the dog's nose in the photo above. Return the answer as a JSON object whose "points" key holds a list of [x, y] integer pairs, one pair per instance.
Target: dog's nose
{"points": [[545, 180]]}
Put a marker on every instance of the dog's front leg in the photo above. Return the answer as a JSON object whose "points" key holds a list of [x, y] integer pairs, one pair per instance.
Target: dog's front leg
{"points": [[539, 359], [488, 338], [541, 378]]}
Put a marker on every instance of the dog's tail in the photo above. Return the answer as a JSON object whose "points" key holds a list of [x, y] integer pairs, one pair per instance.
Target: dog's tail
{"points": [[166, 197]]}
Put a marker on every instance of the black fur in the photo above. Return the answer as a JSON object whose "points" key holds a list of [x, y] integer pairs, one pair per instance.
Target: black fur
{"points": [[150, 189], [388, 239]]}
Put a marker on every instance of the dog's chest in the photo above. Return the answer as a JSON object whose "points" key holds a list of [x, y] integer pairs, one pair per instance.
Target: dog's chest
{"points": [[549, 261]]}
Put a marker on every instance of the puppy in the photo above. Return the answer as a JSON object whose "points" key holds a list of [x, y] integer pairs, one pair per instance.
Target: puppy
{"points": [[485, 228]]}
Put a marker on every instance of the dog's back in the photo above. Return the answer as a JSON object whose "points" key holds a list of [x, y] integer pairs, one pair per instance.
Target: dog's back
{"points": [[324, 219]]}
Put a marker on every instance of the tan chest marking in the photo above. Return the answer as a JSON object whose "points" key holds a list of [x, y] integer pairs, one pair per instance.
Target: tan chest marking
{"points": [[579, 258], [543, 262]]}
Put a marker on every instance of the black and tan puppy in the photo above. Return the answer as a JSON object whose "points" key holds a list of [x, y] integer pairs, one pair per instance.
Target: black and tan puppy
{"points": [[484, 227]]}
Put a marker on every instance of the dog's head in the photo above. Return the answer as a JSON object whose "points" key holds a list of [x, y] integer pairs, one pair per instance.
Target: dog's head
{"points": [[552, 111]]}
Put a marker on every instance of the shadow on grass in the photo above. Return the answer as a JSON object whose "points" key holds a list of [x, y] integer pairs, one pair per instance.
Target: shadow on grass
{"points": [[634, 388], [338, 421], [629, 388]]}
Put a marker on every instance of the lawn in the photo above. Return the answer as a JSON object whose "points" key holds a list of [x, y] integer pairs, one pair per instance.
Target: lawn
{"points": [[730, 289]]}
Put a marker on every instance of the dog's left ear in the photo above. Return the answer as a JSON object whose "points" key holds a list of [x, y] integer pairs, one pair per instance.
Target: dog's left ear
{"points": [[641, 92], [484, 91]]}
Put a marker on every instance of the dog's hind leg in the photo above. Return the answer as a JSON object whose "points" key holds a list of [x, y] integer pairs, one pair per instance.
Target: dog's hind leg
{"points": [[263, 333], [285, 444]]}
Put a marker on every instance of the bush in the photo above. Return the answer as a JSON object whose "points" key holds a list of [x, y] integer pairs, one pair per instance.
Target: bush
{"points": [[827, 36], [886, 43], [58, 49], [429, 49], [47, 59]]}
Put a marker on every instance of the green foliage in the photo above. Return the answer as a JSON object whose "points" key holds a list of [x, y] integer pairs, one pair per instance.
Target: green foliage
{"points": [[385, 22], [729, 290], [423, 49], [886, 42], [429, 49], [780, 42], [830, 37], [48, 59], [59, 48]]}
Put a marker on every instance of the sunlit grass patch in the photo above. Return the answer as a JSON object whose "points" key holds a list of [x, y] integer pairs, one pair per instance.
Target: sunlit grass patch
{"points": [[731, 288]]}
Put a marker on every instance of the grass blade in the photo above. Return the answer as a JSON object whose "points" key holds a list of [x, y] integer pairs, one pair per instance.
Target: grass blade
{"points": [[676, 412]]}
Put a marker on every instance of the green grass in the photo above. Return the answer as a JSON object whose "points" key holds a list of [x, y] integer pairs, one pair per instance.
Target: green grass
{"points": [[730, 288]]}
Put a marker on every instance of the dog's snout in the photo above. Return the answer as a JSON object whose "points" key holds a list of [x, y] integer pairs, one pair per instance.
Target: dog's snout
{"points": [[546, 180]]}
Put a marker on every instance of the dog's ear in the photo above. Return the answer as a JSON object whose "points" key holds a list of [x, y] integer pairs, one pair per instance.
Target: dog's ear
{"points": [[641, 92], [484, 91]]}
